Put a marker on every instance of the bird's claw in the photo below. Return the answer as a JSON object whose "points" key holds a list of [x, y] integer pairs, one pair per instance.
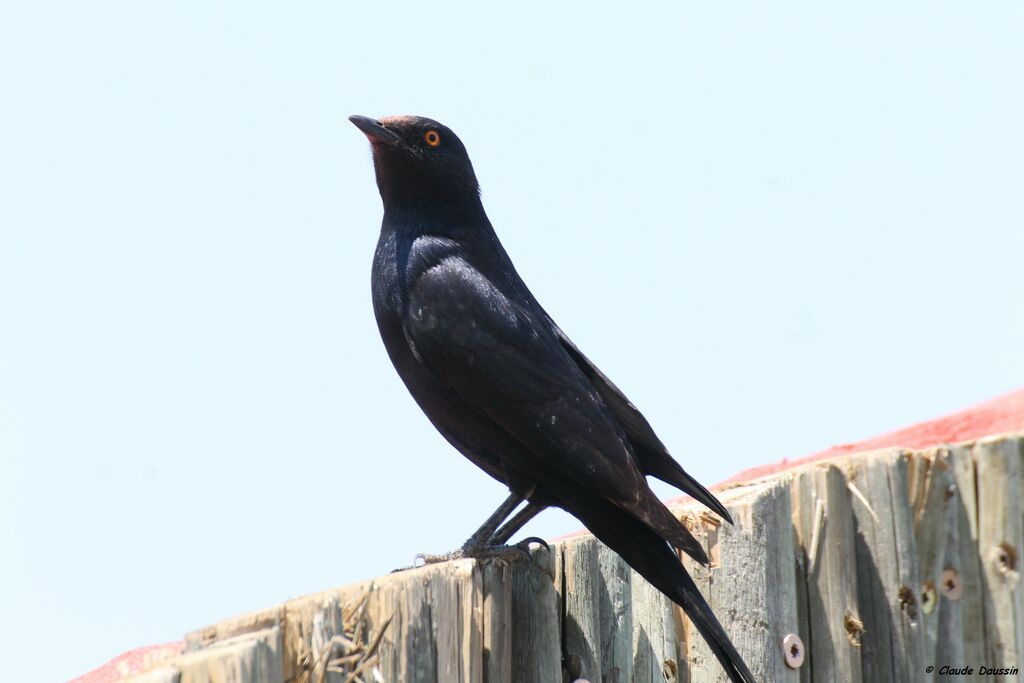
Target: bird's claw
{"points": [[530, 540], [520, 550]]}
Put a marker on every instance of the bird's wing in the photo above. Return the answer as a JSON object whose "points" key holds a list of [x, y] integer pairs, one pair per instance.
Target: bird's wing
{"points": [[503, 358], [652, 456], [495, 353]]}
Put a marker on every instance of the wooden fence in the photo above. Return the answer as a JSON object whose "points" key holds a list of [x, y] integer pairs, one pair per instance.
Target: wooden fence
{"points": [[875, 567]]}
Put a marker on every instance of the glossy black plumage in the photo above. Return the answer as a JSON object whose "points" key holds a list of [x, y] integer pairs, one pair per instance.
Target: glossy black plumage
{"points": [[502, 382]]}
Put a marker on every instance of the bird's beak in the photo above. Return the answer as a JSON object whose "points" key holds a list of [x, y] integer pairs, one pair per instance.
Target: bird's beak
{"points": [[375, 131]]}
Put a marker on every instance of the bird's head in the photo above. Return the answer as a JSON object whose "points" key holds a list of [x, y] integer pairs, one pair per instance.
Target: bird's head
{"points": [[417, 161]]}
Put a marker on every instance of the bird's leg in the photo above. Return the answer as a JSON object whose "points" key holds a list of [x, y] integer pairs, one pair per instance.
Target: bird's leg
{"points": [[483, 544], [509, 528], [481, 536]]}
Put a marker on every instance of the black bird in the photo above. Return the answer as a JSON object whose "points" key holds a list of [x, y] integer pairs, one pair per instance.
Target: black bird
{"points": [[504, 385]]}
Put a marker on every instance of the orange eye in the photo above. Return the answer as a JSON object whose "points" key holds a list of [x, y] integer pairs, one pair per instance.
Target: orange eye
{"points": [[432, 138]]}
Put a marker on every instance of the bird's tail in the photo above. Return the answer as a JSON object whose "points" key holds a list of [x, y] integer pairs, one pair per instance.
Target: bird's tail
{"points": [[661, 465], [651, 557]]}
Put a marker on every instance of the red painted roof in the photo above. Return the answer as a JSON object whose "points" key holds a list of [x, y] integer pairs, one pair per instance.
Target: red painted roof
{"points": [[1000, 415], [131, 662]]}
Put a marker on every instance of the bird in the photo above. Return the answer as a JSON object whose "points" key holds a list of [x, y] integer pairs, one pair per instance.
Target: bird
{"points": [[505, 386]]}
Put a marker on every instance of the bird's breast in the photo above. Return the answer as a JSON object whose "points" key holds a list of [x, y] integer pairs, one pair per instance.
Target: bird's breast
{"points": [[399, 262]]}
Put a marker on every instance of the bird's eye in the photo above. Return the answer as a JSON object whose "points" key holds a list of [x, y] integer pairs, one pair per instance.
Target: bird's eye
{"points": [[432, 138]]}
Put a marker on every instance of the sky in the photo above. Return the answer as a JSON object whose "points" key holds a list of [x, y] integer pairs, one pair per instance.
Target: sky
{"points": [[776, 226]]}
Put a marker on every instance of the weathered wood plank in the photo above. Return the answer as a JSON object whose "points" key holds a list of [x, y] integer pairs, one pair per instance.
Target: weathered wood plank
{"points": [[751, 584], [823, 519], [616, 626], [536, 620], [234, 626], [579, 583], [802, 596], [961, 633], [496, 621], [1000, 539], [433, 623], [166, 674], [701, 663], [887, 572], [457, 605], [248, 658], [655, 645], [615, 616], [932, 489]]}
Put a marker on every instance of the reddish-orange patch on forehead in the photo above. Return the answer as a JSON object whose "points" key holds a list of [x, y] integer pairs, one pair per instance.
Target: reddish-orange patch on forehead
{"points": [[397, 121]]}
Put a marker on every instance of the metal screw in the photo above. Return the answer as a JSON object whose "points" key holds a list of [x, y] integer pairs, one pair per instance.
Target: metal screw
{"points": [[793, 650], [951, 585]]}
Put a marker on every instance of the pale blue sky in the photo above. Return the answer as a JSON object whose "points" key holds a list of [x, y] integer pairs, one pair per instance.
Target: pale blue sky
{"points": [[777, 227]]}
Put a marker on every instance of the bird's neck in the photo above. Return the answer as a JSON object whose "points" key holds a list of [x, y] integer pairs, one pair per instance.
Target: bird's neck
{"points": [[428, 216]]}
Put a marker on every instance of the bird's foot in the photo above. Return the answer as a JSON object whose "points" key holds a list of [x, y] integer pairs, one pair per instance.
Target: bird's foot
{"points": [[423, 559], [428, 558], [520, 550]]}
